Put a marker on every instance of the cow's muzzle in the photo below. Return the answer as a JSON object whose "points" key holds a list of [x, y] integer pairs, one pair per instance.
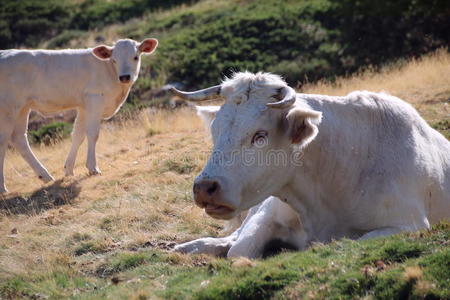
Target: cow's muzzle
{"points": [[207, 195], [125, 78]]}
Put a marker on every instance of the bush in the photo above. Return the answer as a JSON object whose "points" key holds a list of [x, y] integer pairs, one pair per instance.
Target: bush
{"points": [[301, 40], [62, 40], [30, 22], [50, 134], [27, 22]]}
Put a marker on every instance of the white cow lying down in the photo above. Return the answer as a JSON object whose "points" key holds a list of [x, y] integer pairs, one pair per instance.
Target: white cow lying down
{"points": [[95, 81], [359, 166]]}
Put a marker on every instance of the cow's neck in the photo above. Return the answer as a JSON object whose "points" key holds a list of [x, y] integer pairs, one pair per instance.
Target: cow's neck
{"points": [[120, 92], [319, 188]]}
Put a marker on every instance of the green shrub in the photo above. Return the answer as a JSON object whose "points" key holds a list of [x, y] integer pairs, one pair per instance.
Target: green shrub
{"points": [[63, 39], [300, 40], [28, 22], [50, 133]]}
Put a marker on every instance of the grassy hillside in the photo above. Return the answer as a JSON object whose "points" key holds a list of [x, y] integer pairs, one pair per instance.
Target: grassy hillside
{"points": [[201, 41], [107, 236]]}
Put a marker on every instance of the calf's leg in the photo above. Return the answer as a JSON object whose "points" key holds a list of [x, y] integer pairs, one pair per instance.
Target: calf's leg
{"points": [[4, 137], [20, 142], [93, 118], [78, 134], [6, 128]]}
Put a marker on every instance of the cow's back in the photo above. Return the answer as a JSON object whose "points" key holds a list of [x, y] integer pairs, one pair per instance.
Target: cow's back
{"points": [[48, 80]]}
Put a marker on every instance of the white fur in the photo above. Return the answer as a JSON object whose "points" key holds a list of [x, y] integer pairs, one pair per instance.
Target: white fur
{"points": [[373, 168], [50, 81]]}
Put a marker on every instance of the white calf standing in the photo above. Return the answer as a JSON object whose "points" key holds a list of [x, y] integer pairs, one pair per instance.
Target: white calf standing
{"points": [[94, 81]]}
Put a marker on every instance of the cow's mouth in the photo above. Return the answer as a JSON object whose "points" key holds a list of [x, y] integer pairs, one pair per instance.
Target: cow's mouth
{"points": [[219, 211]]}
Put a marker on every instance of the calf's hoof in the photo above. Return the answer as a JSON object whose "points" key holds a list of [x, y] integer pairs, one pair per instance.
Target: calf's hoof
{"points": [[95, 171], [3, 190], [46, 178], [68, 171]]}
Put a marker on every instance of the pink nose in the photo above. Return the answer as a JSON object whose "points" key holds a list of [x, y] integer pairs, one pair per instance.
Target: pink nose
{"points": [[206, 192]]}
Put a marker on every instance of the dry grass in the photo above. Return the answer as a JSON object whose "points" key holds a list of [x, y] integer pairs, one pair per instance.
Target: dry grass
{"points": [[424, 82], [144, 194]]}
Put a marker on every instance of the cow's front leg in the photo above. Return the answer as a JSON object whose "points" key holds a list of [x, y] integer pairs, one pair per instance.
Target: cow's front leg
{"points": [[217, 246], [253, 236], [272, 220], [94, 111], [209, 245], [78, 134]]}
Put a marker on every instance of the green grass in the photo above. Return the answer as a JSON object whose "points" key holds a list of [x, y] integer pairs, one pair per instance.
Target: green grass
{"points": [[303, 40], [413, 266]]}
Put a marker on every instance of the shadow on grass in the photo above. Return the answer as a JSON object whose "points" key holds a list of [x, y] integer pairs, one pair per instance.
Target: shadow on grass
{"points": [[45, 198]]}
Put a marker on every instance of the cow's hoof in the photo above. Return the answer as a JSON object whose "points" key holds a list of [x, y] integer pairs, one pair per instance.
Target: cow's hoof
{"points": [[212, 246], [185, 248], [96, 171], [46, 178], [67, 172], [3, 191]]}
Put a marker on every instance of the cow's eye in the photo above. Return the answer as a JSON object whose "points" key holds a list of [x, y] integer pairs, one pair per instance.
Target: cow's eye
{"points": [[260, 138], [136, 58]]}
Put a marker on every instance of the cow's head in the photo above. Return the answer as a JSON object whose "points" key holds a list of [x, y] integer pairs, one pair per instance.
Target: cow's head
{"points": [[125, 55], [258, 134]]}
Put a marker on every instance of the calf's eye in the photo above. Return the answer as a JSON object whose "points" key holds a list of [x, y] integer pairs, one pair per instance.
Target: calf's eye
{"points": [[259, 139], [136, 58]]}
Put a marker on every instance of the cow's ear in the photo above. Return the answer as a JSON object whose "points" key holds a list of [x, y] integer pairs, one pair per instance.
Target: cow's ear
{"points": [[207, 114], [102, 52], [303, 125], [148, 46]]}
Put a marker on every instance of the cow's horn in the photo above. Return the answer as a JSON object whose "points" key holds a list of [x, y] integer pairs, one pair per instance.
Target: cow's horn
{"points": [[200, 95], [287, 101]]}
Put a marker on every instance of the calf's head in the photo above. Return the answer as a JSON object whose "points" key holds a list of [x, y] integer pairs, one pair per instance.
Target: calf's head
{"points": [[125, 56], [258, 134]]}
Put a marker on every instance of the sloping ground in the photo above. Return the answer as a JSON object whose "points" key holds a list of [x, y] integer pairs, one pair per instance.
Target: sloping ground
{"points": [[107, 236], [423, 82]]}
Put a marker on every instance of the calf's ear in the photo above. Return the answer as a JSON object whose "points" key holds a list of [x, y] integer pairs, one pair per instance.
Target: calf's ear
{"points": [[148, 46], [102, 52], [207, 114], [303, 125]]}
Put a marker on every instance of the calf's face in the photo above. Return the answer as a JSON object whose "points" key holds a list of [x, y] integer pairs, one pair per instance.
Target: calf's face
{"points": [[256, 146], [125, 56]]}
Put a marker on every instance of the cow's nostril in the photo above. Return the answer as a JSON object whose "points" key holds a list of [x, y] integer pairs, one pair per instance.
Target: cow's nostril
{"points": [[214, 187], [124, 78]]}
